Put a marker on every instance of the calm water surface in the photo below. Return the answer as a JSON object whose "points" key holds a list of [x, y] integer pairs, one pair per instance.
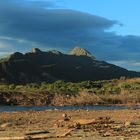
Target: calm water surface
{"points": [[39, 108]]}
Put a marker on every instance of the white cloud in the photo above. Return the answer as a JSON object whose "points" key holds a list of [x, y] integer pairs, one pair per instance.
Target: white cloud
{"points": [[130, 65], [4, 46]]}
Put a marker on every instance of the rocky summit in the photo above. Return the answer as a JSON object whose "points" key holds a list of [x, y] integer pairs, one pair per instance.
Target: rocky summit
{"points": [[37, 66], [81, 52]]}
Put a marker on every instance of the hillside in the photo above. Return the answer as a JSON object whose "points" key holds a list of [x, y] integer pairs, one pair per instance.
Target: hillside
{"points": [[37, 66], [60, 93]]}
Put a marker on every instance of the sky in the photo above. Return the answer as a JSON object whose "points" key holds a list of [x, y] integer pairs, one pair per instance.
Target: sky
{"points": [[109, 29], [125, 11]]}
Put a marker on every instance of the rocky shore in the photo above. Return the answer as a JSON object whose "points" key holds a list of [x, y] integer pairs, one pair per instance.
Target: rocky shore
{"points": [[70, 125]]}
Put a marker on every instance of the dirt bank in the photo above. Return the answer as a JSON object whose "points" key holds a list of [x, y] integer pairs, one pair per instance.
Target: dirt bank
{"points": [[71, 125], [47, 98], [54, 99], [25, 99]]}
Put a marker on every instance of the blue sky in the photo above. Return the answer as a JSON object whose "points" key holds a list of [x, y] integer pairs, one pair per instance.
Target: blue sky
{"points": [[108, 28], [125, 11]]}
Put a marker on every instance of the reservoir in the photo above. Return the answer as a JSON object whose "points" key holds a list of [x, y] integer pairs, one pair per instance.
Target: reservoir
{"points": [[41, 108]]}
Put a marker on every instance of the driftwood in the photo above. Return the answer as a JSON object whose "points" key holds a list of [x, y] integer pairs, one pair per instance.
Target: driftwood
{"points": [[35, 137], [38, 132], [29, 136], [92, 121], [15, 138], [85, 121], [66, 133], [4, 125]]}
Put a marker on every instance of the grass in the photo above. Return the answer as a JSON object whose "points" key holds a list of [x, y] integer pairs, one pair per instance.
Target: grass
{"points": [[117, 91]]}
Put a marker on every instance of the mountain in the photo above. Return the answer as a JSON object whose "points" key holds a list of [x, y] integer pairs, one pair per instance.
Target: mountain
{"points": [[37, 66], [77, 51]]}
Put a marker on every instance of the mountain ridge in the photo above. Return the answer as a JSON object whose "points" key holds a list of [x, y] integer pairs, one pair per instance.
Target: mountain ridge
{"points": [[38, 66]]}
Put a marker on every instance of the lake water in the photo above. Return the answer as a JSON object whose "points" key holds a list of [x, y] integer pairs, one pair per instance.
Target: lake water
{"points": [[39, 108]]}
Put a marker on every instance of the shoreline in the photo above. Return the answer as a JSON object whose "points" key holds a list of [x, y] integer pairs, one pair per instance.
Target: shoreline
{"points": [[50, 124], [116, 92], [79, 105]]}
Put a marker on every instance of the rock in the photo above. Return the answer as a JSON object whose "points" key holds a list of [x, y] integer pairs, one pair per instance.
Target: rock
{"points": [[77, 125], [127, 124], [55, 52], [81, 52], [106, 134], [15, 55], [4, 125], [117, 128], [36, 50], [66, 117], [104, 118]]}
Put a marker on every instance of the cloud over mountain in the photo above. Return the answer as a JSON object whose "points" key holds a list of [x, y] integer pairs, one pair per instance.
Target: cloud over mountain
{"points": [[41, 23]]}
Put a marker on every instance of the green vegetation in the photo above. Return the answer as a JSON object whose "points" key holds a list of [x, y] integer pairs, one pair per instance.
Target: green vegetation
{"points": [[115, 91], [98, 87], [101, 87]]}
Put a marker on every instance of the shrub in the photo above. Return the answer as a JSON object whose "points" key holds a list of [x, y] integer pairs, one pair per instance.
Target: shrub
{"points": [[12, 87]]}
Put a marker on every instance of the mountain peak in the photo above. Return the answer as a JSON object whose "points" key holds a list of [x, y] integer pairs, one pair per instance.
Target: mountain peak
{"points": [[78, 51], [36, 50], [15, 55], [55, 52]]}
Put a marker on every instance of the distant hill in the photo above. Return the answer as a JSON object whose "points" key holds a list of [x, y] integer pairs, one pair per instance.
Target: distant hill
{"points": [[78, 65]]}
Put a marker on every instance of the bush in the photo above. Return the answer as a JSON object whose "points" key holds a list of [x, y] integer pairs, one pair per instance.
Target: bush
{"points": [[12, 87], [33, 86]]}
